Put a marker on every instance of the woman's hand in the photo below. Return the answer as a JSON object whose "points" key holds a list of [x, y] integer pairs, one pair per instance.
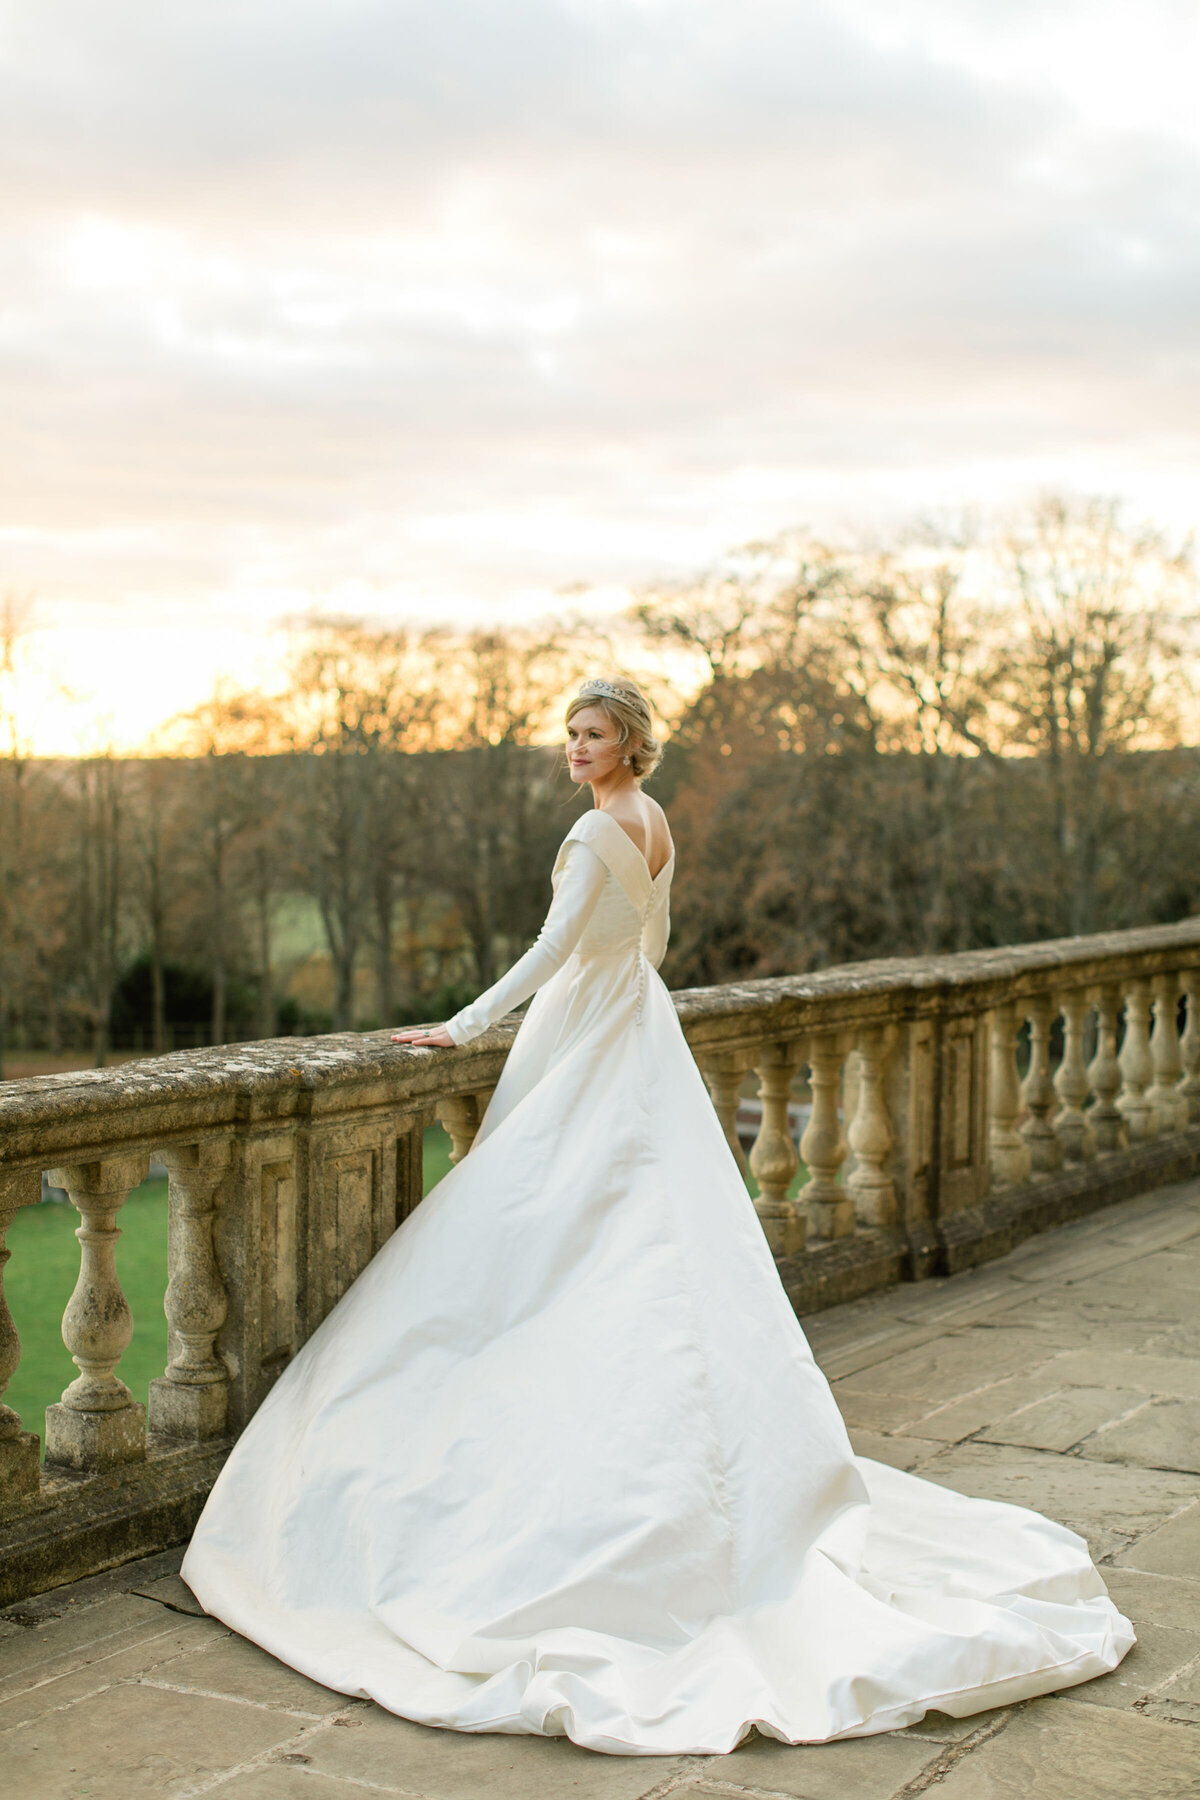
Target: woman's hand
{"points": [[436, 1038]]}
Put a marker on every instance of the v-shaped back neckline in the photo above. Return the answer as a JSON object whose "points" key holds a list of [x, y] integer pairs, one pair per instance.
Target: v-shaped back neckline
{"points": [[640, 854]]}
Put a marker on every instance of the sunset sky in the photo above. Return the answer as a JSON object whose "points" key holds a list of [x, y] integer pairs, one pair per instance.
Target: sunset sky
{"points": [[395, 308]]}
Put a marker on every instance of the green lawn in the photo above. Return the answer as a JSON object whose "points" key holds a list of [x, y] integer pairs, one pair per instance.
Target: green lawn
{"points": [[45, 1265]]}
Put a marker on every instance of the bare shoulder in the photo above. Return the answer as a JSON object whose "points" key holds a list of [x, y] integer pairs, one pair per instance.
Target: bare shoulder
{"points": [[645, 823], [658, 833]]}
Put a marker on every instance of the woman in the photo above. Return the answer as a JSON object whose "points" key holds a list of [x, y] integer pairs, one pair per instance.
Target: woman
{"points": [[561, 1460]]}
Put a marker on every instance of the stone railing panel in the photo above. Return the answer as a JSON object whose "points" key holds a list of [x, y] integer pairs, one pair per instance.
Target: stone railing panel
{"points": [[958, 1103], [911, 1112]]}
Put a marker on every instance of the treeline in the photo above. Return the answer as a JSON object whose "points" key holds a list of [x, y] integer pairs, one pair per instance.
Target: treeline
{"points": [[950, 743], [389, 808]]}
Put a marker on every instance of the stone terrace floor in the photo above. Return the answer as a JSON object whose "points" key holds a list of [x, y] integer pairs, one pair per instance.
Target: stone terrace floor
{"points": [[1066, 1377]]}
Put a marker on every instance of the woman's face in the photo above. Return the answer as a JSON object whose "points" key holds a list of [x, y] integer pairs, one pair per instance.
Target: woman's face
{"points": [[594, 749]]}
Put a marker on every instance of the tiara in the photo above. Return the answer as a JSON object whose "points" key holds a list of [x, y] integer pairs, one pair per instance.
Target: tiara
{"points": [[605, 689]]}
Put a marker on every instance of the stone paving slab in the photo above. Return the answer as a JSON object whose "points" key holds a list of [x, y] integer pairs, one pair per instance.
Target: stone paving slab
{"points": [[1160, 1655], [394, 1756], [1177, 1375], [133, 1742], [1110, 1504], [1183, 1685], [973, 1413], [285, 1781], [1163, 1433], [1177, 1340], [959, 1362], [1061, 1750], [1173, 1549], [1154, 1599], [133, 1661], [237, 1670], [1065, 1377], [1063, 1419], [907, 1453]]}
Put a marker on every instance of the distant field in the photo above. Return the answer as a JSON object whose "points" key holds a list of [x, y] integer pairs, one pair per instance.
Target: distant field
{"points": [[45, 1265]]}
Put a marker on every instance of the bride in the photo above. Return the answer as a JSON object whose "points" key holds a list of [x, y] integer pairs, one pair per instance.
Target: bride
{"points": [[561, 1460]]}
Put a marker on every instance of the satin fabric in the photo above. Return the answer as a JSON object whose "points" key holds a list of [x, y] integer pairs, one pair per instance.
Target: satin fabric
{"points": [[561, 1460]]}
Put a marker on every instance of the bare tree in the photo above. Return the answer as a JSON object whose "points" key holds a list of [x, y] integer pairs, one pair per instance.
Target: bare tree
{"points": [[1098, 670], [362, 699], [100, 834], [496, 819], [155, 875], [14, 848], [918, 650], [233, 838], [763, 605]]}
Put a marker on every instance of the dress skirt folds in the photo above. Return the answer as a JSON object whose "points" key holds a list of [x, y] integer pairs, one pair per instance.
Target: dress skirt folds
{"points": [[561, 1460]]}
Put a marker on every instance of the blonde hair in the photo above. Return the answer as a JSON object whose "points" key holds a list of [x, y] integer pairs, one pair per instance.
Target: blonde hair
{"points": [[623, 701]]}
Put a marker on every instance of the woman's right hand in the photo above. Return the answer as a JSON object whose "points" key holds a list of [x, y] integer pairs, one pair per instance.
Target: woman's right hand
{"points": [[421, 1037]]}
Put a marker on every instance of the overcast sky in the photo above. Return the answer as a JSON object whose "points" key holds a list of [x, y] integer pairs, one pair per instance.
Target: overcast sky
{"points": [[384, 306]]}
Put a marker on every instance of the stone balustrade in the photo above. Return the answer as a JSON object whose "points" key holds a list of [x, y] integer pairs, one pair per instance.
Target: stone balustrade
{"points": [[958, 1104]]}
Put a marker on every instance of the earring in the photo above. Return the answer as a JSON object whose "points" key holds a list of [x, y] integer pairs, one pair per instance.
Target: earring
{"points": [[627, 760]]}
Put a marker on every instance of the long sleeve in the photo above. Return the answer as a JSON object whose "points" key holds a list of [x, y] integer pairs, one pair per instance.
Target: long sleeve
{"points": [[579, 889]]}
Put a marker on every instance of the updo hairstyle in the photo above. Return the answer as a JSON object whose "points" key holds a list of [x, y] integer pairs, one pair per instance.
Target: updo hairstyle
{"points": [[624, 703]]}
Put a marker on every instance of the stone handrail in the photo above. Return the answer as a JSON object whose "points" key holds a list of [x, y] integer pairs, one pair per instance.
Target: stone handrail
{"points": [[291, 1162]]}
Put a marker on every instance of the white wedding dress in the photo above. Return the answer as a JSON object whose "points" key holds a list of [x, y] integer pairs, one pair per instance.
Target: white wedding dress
{"points": [[561, 1460]]}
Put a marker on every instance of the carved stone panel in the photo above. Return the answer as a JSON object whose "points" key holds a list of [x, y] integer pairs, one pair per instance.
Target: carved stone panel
{"points": [[963, 1172], [365, 1178], [259, 1230], [959, 1089], [346, 1235], [916, 1109], [410, 1170], [278, 1274]]}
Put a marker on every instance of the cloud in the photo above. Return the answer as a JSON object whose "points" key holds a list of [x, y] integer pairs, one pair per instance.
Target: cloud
{"points": [[476, 298]]}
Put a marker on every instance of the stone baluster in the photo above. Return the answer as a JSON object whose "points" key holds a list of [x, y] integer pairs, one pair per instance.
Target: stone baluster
{"points": [[870, 1184], [1137, 1067], [461, 1115], [724, 1073], [1169, 1106], [1104, 1073], [1189, 1045], [774, 1158], [1009, 1151], [19, 1461], [98, 1424], [191, 1400], [1045, 1150], [1071, 1083], [830, 1208]]}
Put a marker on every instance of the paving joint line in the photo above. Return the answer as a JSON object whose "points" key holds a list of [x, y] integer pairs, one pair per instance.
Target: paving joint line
{"points": [[175, 1687], [292, 1746], [705, 1784], [85, 1662], [937, 1770], [102, 1687], [358, 1781], [673, 1783]]}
